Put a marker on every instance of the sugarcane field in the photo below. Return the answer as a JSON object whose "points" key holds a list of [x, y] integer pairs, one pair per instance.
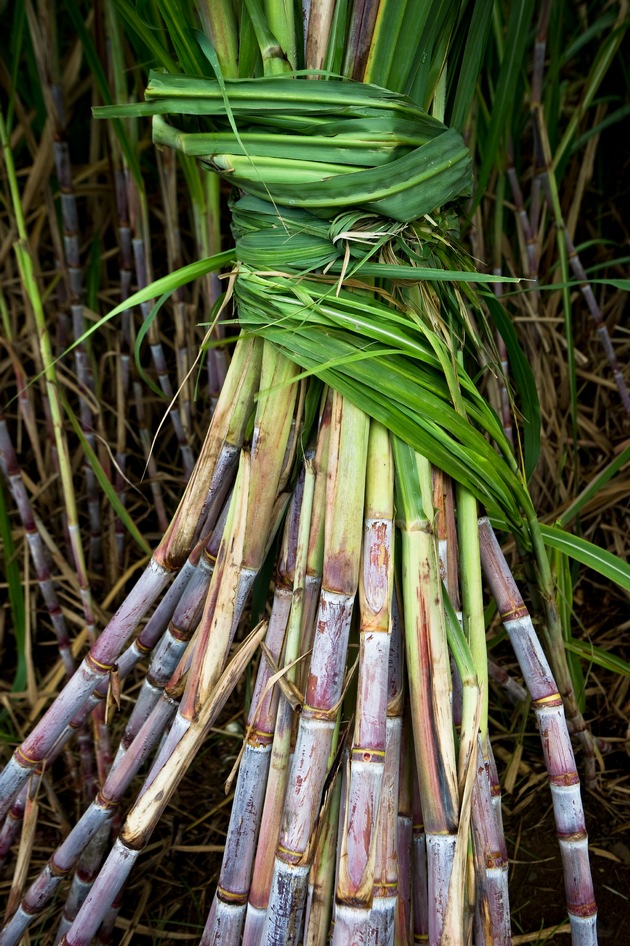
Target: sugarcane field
{"points": [[314, 472]]}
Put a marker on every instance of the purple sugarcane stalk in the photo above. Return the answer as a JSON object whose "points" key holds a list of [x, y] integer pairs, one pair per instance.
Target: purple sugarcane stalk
{"points": [[224, 604], [344, 506], [95, 667], [558, 752], [298, 643], [182, 617], [227, 915], [11, 469], [412, 861], [382, 922], [151, 803], [144, 275], [95, 819], [367, 758], [492, 918], [206, 487], [514, 690]]}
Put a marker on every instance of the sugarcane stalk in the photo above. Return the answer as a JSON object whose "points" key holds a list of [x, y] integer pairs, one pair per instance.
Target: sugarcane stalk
{"points": [[412, 881], [96, 818], [298, 643], [37, 549], [321, 881], [367, 759], [492, 916], [94, 668], [140, 647], [148, 809], [206, 487], [85, 873], [324, 873], [229, 586], [547, 703], [419, 863], [493, 922], [220, 25], [515, 692], [359, 40], [253, 512], [492, 895], [344, 505], [281, 20], [220, 601], [319, 24], [382, 922], [228, 910], [43, 25], [315, 558], [446, 530], [182, 615], [138, 218], [13, 823], [185, 607], [429, 679]]}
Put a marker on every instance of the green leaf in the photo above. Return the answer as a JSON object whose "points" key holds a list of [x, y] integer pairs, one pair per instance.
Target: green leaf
{"points": [[148, 36], [591, 490], [524, 382], [166, 284], [503, 102], [98, 74], [179, 28], [476, 38], [144, 330], [617, 283], [599, 656], [564, 584], [602, 561]]}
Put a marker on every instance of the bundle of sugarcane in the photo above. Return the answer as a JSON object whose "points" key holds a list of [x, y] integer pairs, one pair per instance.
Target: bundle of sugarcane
{"points": [[365, 809]]}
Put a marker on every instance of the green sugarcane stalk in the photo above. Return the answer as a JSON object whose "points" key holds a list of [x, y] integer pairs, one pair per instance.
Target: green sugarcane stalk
{"points": [[429, 677], [219, 19], [486, 829], [321, 881]]}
